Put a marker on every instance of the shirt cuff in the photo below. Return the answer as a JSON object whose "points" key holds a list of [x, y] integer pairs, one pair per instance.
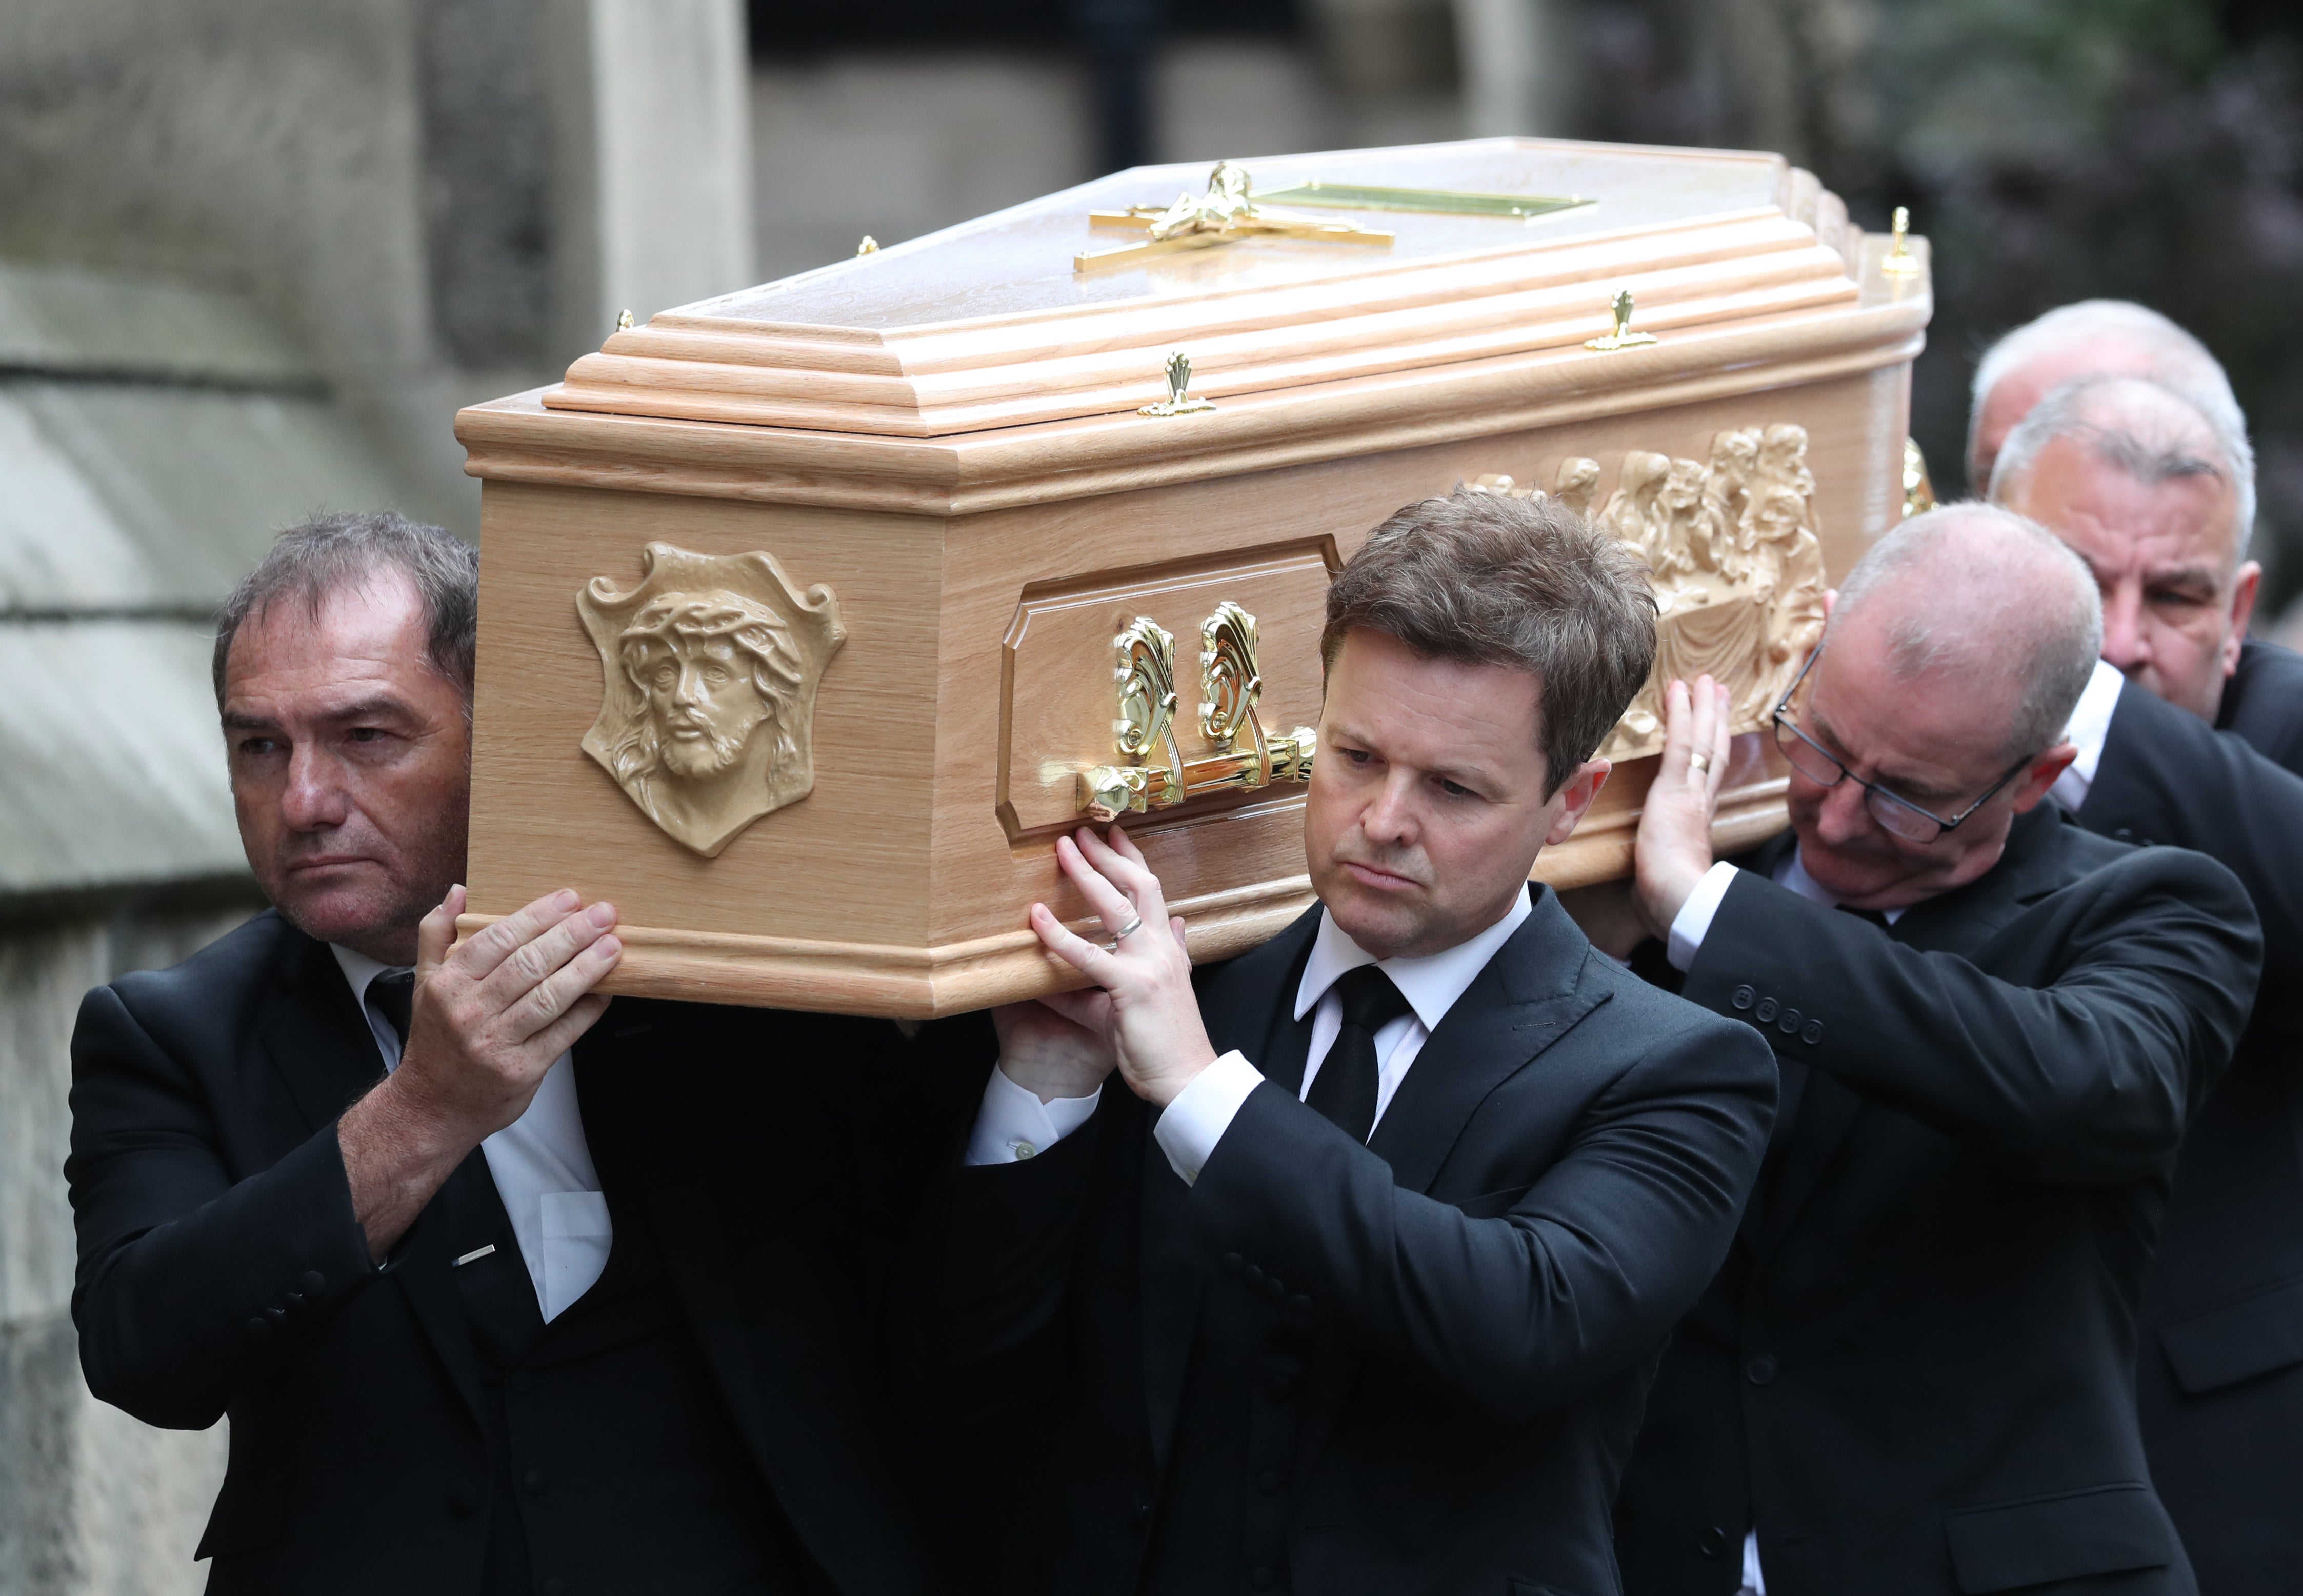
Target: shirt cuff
{"points": [[2089, 730], [1195, 1121], [1014, 1123], [1694, 917]]}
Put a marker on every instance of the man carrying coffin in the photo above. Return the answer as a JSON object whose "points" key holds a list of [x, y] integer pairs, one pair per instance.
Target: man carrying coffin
{"points": [[1915, 1374], [1355, 1281], [2181, 739], [488, 1315], [2090, 338]]}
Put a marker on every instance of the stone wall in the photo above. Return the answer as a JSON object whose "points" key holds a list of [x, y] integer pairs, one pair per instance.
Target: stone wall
{"points": [[92, 1503]]}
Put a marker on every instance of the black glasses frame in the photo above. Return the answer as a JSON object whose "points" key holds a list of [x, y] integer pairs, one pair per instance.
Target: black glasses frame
{"points": [[1875, 796]]}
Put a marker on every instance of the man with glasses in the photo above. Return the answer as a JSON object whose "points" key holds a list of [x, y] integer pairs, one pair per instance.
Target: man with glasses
{"points": [[1914, 1373]]}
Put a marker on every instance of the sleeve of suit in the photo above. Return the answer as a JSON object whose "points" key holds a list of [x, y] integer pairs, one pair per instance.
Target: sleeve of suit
{"points": [[2089, 1078], [189, 1286], [1524, 1309], [2167, 776]]}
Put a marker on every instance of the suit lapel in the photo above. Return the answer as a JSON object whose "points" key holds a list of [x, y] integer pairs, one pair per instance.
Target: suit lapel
{"points": [[683, 1221], [1249, 1005], [1826, 1112], [1530, 995], [315, 1036], [1954, 921]]}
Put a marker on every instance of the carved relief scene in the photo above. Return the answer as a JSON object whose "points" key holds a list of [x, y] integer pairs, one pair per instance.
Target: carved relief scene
{"points": [[1737, 558], [710, 666]]}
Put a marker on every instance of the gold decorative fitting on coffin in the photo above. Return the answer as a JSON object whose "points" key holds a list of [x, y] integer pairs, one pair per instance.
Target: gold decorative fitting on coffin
{"points": [[710, 665], [1737, 559], [1230, 684], [870, 246], [1177, 403], [1899, 261], [1226, 213], [1623, 337], [624, 322], [1919, 489]]}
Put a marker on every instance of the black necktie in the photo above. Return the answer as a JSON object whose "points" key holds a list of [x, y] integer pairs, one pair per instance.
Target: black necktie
{"points": [[1872, 915], [394, 998], [1344, 1088]]}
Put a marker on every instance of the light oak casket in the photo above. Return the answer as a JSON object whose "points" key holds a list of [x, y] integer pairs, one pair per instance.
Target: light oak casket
{"points": [[811, 615]]}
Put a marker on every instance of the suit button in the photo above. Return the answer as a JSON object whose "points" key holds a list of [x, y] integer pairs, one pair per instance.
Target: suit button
{"points": [[1742, 997], [522, 1381], [1269, 1482], [1300, 1304], [1274, 1290], [1233, 1263], [533, 1482], [1766, 1011], [1789, 1023], [1713, 1542], [463, 1499], [2122, 835], [1280, 1387], [1254, 1275], [312, 1283], [1760, 1369], [259, 1328], [1813, 1034], [1262, 1579], [277, 1315]]}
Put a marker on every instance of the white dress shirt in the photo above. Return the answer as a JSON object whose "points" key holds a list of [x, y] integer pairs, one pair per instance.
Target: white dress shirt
{"points": [[540, 1162], [2089, 730], [1195, 1121]]}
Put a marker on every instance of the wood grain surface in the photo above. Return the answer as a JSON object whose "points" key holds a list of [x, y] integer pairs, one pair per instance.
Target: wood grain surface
{"points": [[982, 573]]}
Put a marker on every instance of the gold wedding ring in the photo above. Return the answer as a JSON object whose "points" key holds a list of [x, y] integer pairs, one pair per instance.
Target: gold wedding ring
{"points": [[1698, 762]]}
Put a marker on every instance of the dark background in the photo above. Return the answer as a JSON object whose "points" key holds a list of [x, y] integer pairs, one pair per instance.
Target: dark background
{"points": [[2052, 150]]}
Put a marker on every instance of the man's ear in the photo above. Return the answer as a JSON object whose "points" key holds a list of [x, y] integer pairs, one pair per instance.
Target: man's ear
{"points": [[1575, 796], [2245, 589], [2036, 780]]}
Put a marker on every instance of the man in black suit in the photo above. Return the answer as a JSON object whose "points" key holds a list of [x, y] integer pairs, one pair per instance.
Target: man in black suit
{"points": [[1358, 1284], [1915, 1372], [510, 1318], [2191, 734]]}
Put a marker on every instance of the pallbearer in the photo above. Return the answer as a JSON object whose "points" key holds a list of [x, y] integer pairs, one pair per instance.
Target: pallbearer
{"points": [[1354, 1277], [1915, 1375]]}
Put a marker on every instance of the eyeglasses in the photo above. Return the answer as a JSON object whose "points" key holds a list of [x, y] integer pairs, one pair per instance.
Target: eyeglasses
{"points": [[1893, 811]]}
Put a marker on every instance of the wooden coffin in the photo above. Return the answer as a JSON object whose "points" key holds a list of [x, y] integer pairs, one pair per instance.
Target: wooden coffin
{"points": [[811, 615]]}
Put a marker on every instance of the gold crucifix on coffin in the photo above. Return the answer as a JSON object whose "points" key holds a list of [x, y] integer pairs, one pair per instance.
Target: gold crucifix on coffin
{"points": [[1231, 211]]}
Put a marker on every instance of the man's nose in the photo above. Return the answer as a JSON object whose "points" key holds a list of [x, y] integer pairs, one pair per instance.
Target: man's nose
{"points": [[2125, 643], [314, 799], [1390, 817], [1844, 816]]}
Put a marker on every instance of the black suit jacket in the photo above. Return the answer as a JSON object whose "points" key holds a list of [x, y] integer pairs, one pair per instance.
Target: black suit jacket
{"points": [[1915, 1372], [2219, 1370], [776, 1157], [1411, 1366]]}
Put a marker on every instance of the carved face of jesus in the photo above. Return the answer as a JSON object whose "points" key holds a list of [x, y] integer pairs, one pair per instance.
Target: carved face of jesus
{"points": [[704, 700]]}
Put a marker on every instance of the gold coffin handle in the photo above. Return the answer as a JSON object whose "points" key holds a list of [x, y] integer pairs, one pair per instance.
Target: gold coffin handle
{"points": [[1230, 686], [1109, 791]]}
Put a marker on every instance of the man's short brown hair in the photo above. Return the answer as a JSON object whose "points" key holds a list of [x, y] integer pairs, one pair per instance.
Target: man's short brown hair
{"points": [[1527, 584]]}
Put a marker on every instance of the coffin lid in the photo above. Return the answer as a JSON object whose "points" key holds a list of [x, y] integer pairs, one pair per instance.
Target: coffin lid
{"points": [[984, 334]]}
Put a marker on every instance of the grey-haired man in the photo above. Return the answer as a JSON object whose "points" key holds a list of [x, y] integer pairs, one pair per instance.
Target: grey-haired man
{"points": [[500, 1298]]}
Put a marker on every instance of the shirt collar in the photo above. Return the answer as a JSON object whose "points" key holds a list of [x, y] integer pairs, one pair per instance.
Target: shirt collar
{"points": [[1792, 873], [360, 969], [1430, 984]]}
